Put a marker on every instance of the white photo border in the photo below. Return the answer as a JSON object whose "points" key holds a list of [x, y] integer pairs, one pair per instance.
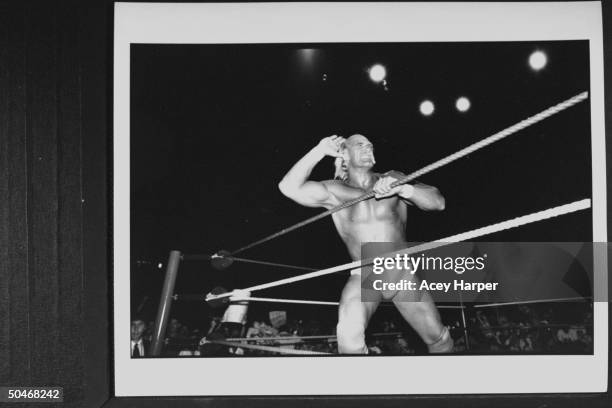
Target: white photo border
{"points": [[227, 23]]}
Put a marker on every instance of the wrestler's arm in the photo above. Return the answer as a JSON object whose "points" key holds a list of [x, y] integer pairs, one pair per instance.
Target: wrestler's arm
{"points": [[296, 186], [425, 197]]}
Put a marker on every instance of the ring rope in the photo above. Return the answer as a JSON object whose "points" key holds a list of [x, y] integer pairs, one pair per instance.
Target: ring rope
{"points": [[281, 338], [272, 300], [330, 337], [525, 302], [308, 302], [202, 257], [501, 226], [433, 166], [450, 307], [530, 327], [280, 265], [267, 348]]}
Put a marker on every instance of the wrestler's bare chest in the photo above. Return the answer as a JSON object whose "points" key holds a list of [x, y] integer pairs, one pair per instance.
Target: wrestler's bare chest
{"points": [[368, 211], [382, 220]]}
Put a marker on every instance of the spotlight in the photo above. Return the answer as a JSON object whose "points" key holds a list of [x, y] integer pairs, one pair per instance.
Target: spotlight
{"points": [[159, 265], [427, 108], [463, 104], [537, 60], [307, 55], [377, 73]]}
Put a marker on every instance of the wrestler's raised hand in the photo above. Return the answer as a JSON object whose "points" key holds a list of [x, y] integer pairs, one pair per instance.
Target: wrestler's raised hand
{"points": [[382, 188], [331, 145]]}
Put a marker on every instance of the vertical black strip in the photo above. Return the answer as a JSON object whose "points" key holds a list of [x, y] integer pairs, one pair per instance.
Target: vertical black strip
{"points": [[14, 120], [43, 191], [95, 46], [71, 324], [5, 331]]}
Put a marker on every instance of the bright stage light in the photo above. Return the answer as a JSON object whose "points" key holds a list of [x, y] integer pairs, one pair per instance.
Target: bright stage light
{"points": [[377, 73], [427, 108], [463, 104], [537, 60]]}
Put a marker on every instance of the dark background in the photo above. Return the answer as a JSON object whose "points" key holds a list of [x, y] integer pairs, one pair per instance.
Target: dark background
{"points": [[56, 103], [215, 127]]}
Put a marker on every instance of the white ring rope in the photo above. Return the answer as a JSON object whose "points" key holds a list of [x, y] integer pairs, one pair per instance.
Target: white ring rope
{"points": [[329, 337], [267, 348], [282, 338], [475, 233], [519, 221], [525, 302], [308, 302], [273, 300]]}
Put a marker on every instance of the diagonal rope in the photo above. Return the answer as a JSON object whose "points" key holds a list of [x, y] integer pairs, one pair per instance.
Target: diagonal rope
{"points": [[466, 236], [272, 349], [280, 265], [201, 257], [303, 301], [293, 301], [433, 166], [329, 337]]}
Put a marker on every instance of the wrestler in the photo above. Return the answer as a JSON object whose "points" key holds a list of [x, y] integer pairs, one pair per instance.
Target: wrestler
{"points": [[382, 219]]}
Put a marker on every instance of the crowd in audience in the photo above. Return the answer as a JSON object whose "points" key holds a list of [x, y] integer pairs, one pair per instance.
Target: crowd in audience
{"points": [[558, 329], [529, 329]]}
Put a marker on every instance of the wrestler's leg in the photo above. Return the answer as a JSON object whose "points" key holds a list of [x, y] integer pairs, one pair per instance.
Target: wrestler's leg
{"points": [[424, 318], [353, 317]]}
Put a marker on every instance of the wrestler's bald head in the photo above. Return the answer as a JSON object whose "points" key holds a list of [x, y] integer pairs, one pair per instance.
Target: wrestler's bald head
{"points": [[358, 151], [356, 138]]}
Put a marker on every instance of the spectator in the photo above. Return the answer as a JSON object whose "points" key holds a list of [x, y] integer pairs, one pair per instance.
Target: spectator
{"points": [[173, 329], [375, 348], [148, 334], [564, 336], [526, 343], [138, 346]]}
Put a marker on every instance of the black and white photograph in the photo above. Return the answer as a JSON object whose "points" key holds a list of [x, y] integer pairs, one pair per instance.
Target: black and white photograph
{"points": [[305, 204], [251, 176], [235, 142]]}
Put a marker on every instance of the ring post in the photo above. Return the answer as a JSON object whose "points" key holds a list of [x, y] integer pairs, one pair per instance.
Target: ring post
{"points": [[165, 303], [465, 330]]}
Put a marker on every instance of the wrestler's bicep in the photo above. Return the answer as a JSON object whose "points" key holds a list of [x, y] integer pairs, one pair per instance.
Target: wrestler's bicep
{"points": [[314, 194]]}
